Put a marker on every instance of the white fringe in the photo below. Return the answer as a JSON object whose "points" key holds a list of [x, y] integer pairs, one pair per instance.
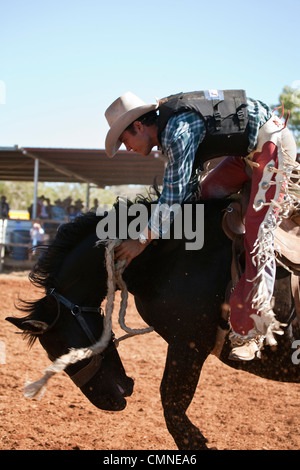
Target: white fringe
{"points": [[75, 355], [288, 182]]}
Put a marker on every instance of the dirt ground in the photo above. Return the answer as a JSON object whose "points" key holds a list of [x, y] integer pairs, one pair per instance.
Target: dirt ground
{"points": [[234, 410]]}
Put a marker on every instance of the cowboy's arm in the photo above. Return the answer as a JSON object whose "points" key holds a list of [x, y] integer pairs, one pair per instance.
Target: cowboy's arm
{"points": [[180, 141], [131, 248], [182, 138]]}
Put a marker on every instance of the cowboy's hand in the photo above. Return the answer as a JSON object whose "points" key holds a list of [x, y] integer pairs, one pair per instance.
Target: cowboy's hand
{"points": [[128, 250]]}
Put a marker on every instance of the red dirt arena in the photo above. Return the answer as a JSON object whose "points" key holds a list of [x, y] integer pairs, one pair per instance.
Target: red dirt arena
{"points": [[234, 410]]}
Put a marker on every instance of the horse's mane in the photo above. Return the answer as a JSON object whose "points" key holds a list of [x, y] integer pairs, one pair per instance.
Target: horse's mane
{"points": [[68, 236]]}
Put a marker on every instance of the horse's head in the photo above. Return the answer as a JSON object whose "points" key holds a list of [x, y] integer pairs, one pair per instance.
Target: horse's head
{"points": [[69, 316]]}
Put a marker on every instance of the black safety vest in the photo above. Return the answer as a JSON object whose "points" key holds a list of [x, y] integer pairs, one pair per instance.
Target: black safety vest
{"points": [[225, 116]]}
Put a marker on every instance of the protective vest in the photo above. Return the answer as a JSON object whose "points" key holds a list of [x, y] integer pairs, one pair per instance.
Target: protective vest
{"points": [[225, 116]]}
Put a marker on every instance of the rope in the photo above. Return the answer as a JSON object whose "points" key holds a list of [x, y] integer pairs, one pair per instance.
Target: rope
{"points": [[114, 275], [114, 272]]}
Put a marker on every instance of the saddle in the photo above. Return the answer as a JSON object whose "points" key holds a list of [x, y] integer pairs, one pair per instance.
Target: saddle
{"points": [[286, 235], [287, 251], [286, 245]]}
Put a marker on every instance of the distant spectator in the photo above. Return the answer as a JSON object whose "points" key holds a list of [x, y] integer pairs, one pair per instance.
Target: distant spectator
{"points": [[48, 207], [30, 210], [95, 206], [72, 213], [37, 235], [41, 212], [66, 203], [4, 208], [79, 207], [58, 212]]}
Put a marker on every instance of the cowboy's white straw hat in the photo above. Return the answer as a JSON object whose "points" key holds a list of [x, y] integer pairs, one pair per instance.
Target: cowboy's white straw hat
{"points": [[119, 115]]}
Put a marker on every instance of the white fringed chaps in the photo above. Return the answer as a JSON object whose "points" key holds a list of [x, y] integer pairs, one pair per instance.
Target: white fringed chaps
{"points": [[287, 181]]}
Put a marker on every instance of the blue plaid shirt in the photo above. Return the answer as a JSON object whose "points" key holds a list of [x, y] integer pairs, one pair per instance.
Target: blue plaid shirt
{"points": [[179, 142]]}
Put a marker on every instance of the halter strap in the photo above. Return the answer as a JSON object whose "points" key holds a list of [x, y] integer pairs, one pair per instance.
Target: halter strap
{"points": [[77, 311], [81, 377]]}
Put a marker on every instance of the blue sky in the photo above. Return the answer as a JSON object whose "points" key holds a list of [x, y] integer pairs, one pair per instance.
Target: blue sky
{"points": [[62, 62]]}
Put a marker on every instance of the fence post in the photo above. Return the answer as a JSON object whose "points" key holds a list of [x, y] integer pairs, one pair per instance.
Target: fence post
{"points": [[3, 223]]}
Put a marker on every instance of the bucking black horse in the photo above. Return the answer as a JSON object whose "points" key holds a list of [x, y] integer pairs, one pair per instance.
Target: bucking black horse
{"points": [[178, 292]]}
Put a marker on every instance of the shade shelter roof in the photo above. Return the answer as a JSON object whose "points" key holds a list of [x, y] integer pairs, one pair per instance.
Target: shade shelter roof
{"points": [[80, 165]]}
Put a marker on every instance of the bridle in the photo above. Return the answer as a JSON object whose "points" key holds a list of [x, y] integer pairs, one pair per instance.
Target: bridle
{"points": [[106, 342], [77, 311], [85, 374]]}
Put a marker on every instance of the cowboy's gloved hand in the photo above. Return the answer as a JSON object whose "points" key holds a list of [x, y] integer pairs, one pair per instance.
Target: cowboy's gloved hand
{"points": [[128, 250]]}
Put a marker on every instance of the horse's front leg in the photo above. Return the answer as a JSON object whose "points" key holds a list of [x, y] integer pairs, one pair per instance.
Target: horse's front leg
{"points": [[178, 386]]}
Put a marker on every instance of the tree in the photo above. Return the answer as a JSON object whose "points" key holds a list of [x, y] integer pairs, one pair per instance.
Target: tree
{"points": [[290, 98]]}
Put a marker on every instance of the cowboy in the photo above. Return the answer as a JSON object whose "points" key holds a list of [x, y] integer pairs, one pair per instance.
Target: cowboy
{"points": [[191, 128]]}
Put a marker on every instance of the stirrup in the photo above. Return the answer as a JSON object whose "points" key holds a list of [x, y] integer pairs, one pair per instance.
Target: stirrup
{"points": [[246, 348]]}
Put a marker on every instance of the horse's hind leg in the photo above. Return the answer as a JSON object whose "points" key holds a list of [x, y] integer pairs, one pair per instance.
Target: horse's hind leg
{"points": [[178, 386]]}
